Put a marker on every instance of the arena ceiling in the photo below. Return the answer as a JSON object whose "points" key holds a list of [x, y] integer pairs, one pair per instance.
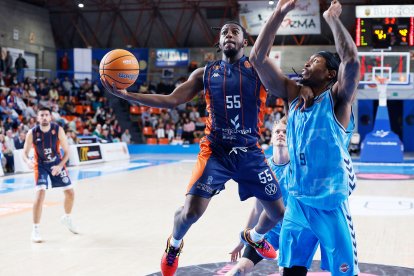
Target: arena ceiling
{"points": [[153, 23]]}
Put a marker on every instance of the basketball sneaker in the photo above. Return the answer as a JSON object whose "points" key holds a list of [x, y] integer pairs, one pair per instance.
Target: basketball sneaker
{"points": [[36, 235], [263, 247], [169, 261], [67, 221]]}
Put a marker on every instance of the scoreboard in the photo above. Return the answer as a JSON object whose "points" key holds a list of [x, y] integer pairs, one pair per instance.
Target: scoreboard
{"points": [[374, 28]]}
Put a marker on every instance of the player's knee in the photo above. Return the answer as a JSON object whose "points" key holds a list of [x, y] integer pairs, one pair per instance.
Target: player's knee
{"points": [[277, 214], [70, 194], [190, 215]]}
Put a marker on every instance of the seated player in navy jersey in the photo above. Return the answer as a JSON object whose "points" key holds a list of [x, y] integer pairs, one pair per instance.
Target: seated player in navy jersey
{"points": [[46, 139], [322, 172], [235, 100]]}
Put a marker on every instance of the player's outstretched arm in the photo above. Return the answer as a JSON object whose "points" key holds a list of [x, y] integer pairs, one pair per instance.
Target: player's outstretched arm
{"points": [[348, 73], [26, 149], [270, 74], [182, 94]]}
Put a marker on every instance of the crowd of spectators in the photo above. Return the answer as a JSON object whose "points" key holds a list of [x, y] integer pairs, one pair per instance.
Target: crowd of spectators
{"points": [[78, 106]]}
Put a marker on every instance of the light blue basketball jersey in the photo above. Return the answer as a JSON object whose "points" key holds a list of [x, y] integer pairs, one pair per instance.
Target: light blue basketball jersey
{"points": [[322, 171], [282, 174]]}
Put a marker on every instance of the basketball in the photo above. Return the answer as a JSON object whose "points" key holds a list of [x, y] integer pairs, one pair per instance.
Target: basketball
{"points": [[119, 67]]}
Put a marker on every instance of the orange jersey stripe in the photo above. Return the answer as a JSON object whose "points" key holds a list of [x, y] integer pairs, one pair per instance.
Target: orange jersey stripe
{"points": [[262, 97], [203, 156], [208, 122]]}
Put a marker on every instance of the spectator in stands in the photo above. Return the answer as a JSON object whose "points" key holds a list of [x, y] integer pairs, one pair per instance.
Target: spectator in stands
{"points": [[2, 63], [116, 127], [9, 148], [33, 98], [53, 93], [86, 132], [19, 65], [2, 83], [115, 138], [9, 63], [86, 85], [126, 137], [57, 118], [175, 116], [42, 90], [89, 97], [265, 139], [71, 136], [67, 86], [69, 107], [160, 131], [154, 120], [44, 102], [19, 139], [11, 98], [30, 111], [188, 130], [164, 115], [21, 105], [146, 118], [170, 132], [106, 136], [64, 62], [98, 131], [194, 115], [32, 123], [2, 148]]}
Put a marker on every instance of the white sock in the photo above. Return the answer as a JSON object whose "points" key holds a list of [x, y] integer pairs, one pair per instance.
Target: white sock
{"points": [[256, 236], [66, 215], [36, 226], [175, 243]]}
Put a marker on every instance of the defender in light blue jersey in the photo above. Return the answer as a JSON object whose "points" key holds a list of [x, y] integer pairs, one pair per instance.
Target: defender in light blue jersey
{"points": [[322, 174], [280, 164]]}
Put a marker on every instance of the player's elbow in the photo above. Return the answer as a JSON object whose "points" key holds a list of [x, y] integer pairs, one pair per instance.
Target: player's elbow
{"points": [[255, 59]]}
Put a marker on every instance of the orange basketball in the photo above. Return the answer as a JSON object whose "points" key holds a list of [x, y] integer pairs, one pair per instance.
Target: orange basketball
{"points": [[119, 67]]}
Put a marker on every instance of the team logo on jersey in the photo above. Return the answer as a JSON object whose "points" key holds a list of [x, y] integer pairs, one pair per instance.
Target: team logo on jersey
{"points": [[271, 189], [344, 267], [235, 122], [53, 132], [247, 64], [215, 75]]}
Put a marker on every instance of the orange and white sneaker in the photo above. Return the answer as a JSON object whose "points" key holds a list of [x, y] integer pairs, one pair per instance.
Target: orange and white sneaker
{"points": [[263, 247], [169, 261]]}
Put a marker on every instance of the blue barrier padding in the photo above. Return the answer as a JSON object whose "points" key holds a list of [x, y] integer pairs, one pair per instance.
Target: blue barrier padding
{"points": [[382, 145], [174, 149]]}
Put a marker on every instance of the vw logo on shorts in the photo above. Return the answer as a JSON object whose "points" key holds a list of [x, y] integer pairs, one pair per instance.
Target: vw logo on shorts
{"points": [[271, 189]]}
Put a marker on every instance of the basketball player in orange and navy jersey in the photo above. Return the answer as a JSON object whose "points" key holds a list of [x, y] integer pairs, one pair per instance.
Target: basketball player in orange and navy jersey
{"points": [[46, 138], [235, 100]]}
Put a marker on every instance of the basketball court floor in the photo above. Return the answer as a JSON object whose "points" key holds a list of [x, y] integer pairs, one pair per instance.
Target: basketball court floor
{"points": [[124, 212]]}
